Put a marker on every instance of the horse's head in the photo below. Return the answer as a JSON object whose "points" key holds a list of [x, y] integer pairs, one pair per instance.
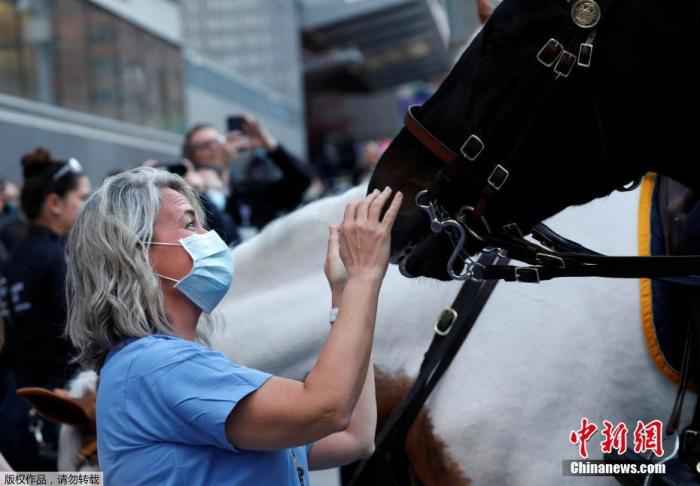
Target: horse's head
{"points": [[555, 103]]}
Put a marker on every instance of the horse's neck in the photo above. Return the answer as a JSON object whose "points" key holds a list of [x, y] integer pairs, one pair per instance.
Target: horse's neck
{"points": [[277, 311], [607, 225]]}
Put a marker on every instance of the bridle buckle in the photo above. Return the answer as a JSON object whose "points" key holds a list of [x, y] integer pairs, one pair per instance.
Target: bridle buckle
{"points": [[498, 177], [565, 64], [444, 324], [472, 148], [544, 258], [550, 52]]}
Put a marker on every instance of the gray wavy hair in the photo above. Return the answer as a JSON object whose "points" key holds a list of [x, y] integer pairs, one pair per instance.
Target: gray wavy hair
{"points": [[112, 290]]}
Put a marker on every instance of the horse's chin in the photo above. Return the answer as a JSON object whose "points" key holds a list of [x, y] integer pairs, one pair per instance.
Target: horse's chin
{"points": [[428, 258]]}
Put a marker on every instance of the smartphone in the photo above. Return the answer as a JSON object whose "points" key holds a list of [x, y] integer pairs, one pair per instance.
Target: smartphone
{"points": [[234, 123]]}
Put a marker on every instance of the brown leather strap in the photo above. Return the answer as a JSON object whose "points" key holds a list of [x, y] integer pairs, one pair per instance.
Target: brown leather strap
{"points": [[429, 141], [88, 453]]}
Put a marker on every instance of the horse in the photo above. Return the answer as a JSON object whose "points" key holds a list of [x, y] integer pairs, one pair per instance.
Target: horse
{"points": [[537, 361]]}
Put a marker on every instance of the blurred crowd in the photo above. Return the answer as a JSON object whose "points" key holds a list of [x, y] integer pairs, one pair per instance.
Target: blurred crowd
{"points": [[245, 179]]}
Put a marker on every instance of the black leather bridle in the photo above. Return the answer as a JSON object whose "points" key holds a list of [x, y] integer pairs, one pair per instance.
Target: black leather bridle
{"points": [[550, 255]]}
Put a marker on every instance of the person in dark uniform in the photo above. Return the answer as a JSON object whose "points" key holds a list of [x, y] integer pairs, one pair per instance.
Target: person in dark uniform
{"points": [[34, 276], [273, 183], [11, 223]]}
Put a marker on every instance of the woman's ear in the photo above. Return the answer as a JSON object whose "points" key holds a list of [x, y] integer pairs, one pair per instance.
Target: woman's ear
{"points": [[54, 204]]}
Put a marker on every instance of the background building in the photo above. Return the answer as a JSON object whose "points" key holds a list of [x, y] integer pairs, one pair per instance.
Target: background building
{"points": [[98, 80], [365, 61], [113, 83], [244, 56], [256, 39]]}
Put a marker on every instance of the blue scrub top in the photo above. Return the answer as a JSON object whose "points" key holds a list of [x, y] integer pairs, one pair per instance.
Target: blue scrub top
{"points": [[162, 405]]}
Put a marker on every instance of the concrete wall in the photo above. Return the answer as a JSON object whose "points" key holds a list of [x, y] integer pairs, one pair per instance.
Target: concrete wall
{"points": [[160, 17], [100, 145]]}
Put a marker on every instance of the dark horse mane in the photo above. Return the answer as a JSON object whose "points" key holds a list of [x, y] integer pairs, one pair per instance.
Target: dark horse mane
{"points": [[565, 141]]}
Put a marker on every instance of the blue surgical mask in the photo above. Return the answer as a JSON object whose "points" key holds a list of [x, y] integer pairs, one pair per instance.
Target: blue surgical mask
{"points": [[217, 198], [212, 270]]}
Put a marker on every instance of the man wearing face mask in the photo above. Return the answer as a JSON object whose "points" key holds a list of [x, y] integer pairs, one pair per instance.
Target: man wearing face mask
{"points": [[256, 197], [200, 180]]}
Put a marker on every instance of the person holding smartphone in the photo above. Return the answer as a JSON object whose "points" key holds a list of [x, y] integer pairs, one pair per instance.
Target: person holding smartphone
{"points": [[250, 200], [215, 216]]}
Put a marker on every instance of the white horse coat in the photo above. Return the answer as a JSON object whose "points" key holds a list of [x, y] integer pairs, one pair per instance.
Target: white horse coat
{"points": [[539, 358]]}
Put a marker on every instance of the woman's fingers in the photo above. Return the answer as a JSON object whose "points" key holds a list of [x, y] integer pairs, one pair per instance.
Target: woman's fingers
{"points": [[332, 240], [393, 211], [363, 208], [334, 268], [375, 210], [363, 243], [350, 211], [359, 210]]}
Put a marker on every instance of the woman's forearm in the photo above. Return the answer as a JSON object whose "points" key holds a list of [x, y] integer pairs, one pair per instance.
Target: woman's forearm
{"points": [[339, 375], [363, 424]]}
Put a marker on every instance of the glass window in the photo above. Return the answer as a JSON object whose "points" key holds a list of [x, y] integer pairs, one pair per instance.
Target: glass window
{"points": [[79, 56]]}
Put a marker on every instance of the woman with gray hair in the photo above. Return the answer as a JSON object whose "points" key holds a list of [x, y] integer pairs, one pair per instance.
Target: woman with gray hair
{"points": [[170, 411]]}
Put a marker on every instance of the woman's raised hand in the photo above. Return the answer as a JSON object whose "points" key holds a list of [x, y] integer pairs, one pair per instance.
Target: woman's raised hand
{"points": [[365, 237], [334, 269]]}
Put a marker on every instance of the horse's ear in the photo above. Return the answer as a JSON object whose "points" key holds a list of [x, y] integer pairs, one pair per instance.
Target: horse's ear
{"points": [[55, 406]]}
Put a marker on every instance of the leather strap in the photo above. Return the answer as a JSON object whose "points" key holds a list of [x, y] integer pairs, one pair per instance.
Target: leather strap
{"points": [[690, 438], [427, 139], [468, 304], [88, 454]]}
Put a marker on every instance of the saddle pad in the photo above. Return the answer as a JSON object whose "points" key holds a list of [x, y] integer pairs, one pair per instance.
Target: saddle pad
{"points": [[663, 313]]}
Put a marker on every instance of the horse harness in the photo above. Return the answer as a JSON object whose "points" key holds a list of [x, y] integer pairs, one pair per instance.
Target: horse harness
{"points": [[552, 256], [451, 330]]}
